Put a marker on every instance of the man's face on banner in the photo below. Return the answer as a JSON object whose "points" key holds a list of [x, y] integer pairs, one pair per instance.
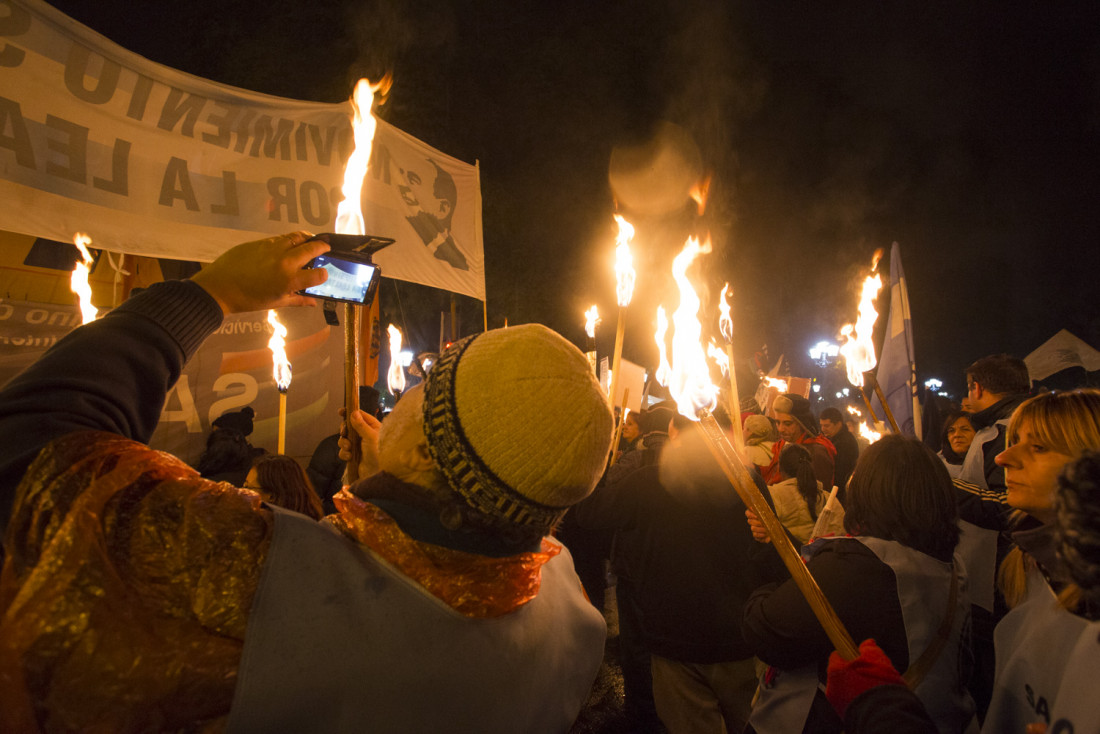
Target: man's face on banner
{"points": [[417, 188]]}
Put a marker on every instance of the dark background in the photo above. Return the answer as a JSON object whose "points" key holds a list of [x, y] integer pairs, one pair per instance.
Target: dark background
{"points": [[967, 132]]}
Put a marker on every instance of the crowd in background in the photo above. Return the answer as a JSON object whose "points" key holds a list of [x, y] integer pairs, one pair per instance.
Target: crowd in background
{"points": [[441, 589]]}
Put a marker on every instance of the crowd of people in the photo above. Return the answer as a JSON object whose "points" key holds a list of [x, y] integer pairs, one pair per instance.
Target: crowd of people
{"points": [[440, 591]]}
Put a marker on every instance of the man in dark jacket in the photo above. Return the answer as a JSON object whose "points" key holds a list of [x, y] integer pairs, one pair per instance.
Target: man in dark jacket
{"points": [[995, 385], [689, 542], [847, 448]]}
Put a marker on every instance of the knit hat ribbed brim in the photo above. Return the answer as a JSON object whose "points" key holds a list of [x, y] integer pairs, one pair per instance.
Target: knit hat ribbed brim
{"points": [[517, 423]]}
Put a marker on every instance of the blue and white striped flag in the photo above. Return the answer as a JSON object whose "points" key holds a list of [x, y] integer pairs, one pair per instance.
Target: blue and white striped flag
{"points": [[897, 371]]}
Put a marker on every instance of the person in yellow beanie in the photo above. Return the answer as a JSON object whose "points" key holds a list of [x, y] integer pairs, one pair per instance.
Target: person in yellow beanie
{"points": [[138, 596]]}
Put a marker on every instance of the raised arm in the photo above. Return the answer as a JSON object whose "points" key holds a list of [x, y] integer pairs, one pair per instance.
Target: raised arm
{"points": [[114, 373]]}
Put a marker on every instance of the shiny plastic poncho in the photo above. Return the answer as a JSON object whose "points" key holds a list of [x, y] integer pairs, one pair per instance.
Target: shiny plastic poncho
{"points": [[125, 592], [129, 579], [473, 585]]}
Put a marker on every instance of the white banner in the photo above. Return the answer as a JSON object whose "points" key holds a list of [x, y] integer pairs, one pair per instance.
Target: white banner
{"points": [[151, 161], [232, 369]]}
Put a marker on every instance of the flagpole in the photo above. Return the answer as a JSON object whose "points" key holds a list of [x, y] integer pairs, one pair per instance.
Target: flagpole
{"points": [[885, 405]]}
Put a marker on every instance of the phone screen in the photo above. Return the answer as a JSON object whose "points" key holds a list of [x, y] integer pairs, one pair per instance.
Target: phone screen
{"points": [[347, 280]]}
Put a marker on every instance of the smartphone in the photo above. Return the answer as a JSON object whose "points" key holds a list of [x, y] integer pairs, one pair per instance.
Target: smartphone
{"points": [[349, 280]]}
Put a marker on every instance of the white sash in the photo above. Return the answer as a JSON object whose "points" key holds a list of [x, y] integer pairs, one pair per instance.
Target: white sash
{"points": [[1033, 643]]}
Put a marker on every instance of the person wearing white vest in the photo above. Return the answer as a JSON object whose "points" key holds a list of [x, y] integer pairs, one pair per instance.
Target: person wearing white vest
{"points": [[1042, 645], [896, 579], [996, 385], [137, 596]]}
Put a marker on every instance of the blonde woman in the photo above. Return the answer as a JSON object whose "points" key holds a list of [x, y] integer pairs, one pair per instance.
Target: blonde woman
{"points": [[1036, 639], [1045, 434]]}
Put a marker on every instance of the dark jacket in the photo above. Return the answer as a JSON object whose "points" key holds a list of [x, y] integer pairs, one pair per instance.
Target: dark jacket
{"points": [[326, 471], [692, 560], [782, 631], [847, 452], [988, 508], [888, 710]]}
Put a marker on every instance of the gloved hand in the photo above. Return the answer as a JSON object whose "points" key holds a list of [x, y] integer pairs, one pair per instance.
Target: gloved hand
{"points": [[849, 678]]}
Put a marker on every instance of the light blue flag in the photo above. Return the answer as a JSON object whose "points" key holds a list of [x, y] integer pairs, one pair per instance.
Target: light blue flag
{"points": [[897, 371]]}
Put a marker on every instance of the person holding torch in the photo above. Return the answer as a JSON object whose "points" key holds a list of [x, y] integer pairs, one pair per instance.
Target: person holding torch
{"points": [[896, 580], [137, 596], [681, 537]]}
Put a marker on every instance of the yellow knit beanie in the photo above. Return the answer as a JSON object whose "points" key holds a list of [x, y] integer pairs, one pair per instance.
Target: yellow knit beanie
{"points": [[517, 423]]}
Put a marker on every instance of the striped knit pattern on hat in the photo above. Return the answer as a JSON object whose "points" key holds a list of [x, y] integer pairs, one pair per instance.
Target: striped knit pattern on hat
{"points": [[517, 423]]}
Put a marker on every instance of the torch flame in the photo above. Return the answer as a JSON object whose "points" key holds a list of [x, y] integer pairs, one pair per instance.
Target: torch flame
{"points": [[689, 378], [664, 370], [79, 279], [592, 320], [725, 321], [720, 357], [778, 384], [864, 430], [699, 192], [395, 378], [349, 212], [867, 433], [859, 349], [624, 262], [277, 345]]}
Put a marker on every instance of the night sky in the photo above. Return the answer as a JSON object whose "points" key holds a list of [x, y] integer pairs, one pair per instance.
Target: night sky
{"points": [[967, 132]]}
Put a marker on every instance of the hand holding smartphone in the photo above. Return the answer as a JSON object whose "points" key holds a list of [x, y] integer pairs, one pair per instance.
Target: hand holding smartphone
{"points": [[352, 277]]}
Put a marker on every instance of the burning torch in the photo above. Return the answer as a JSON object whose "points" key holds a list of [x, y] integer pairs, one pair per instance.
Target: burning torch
{"points": [[865, 431], [349, 221], [281, 372], [859, 346], [695, 396], [395, 376], [591, 321], [725, 323], [79, 279], [624, 278]]}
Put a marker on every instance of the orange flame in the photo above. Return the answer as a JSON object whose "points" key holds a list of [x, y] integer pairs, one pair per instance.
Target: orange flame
{"points": [[591, 321], [699, 192], [395, 377], [875, 258], [725, 321], [859, 347], [349, 213], [864, 430], [664, 370], [720, 357], [78, 281], [624, 262], [778, 384], [277, 345], [689, 378], [867, 433]]}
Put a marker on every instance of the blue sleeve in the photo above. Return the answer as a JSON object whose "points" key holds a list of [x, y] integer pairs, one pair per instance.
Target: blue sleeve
{"points": [[110, 375]]}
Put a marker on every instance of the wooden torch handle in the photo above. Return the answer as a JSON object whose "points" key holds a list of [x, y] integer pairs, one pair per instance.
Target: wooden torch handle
{"points": [[750, 494], [351, 385]]}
